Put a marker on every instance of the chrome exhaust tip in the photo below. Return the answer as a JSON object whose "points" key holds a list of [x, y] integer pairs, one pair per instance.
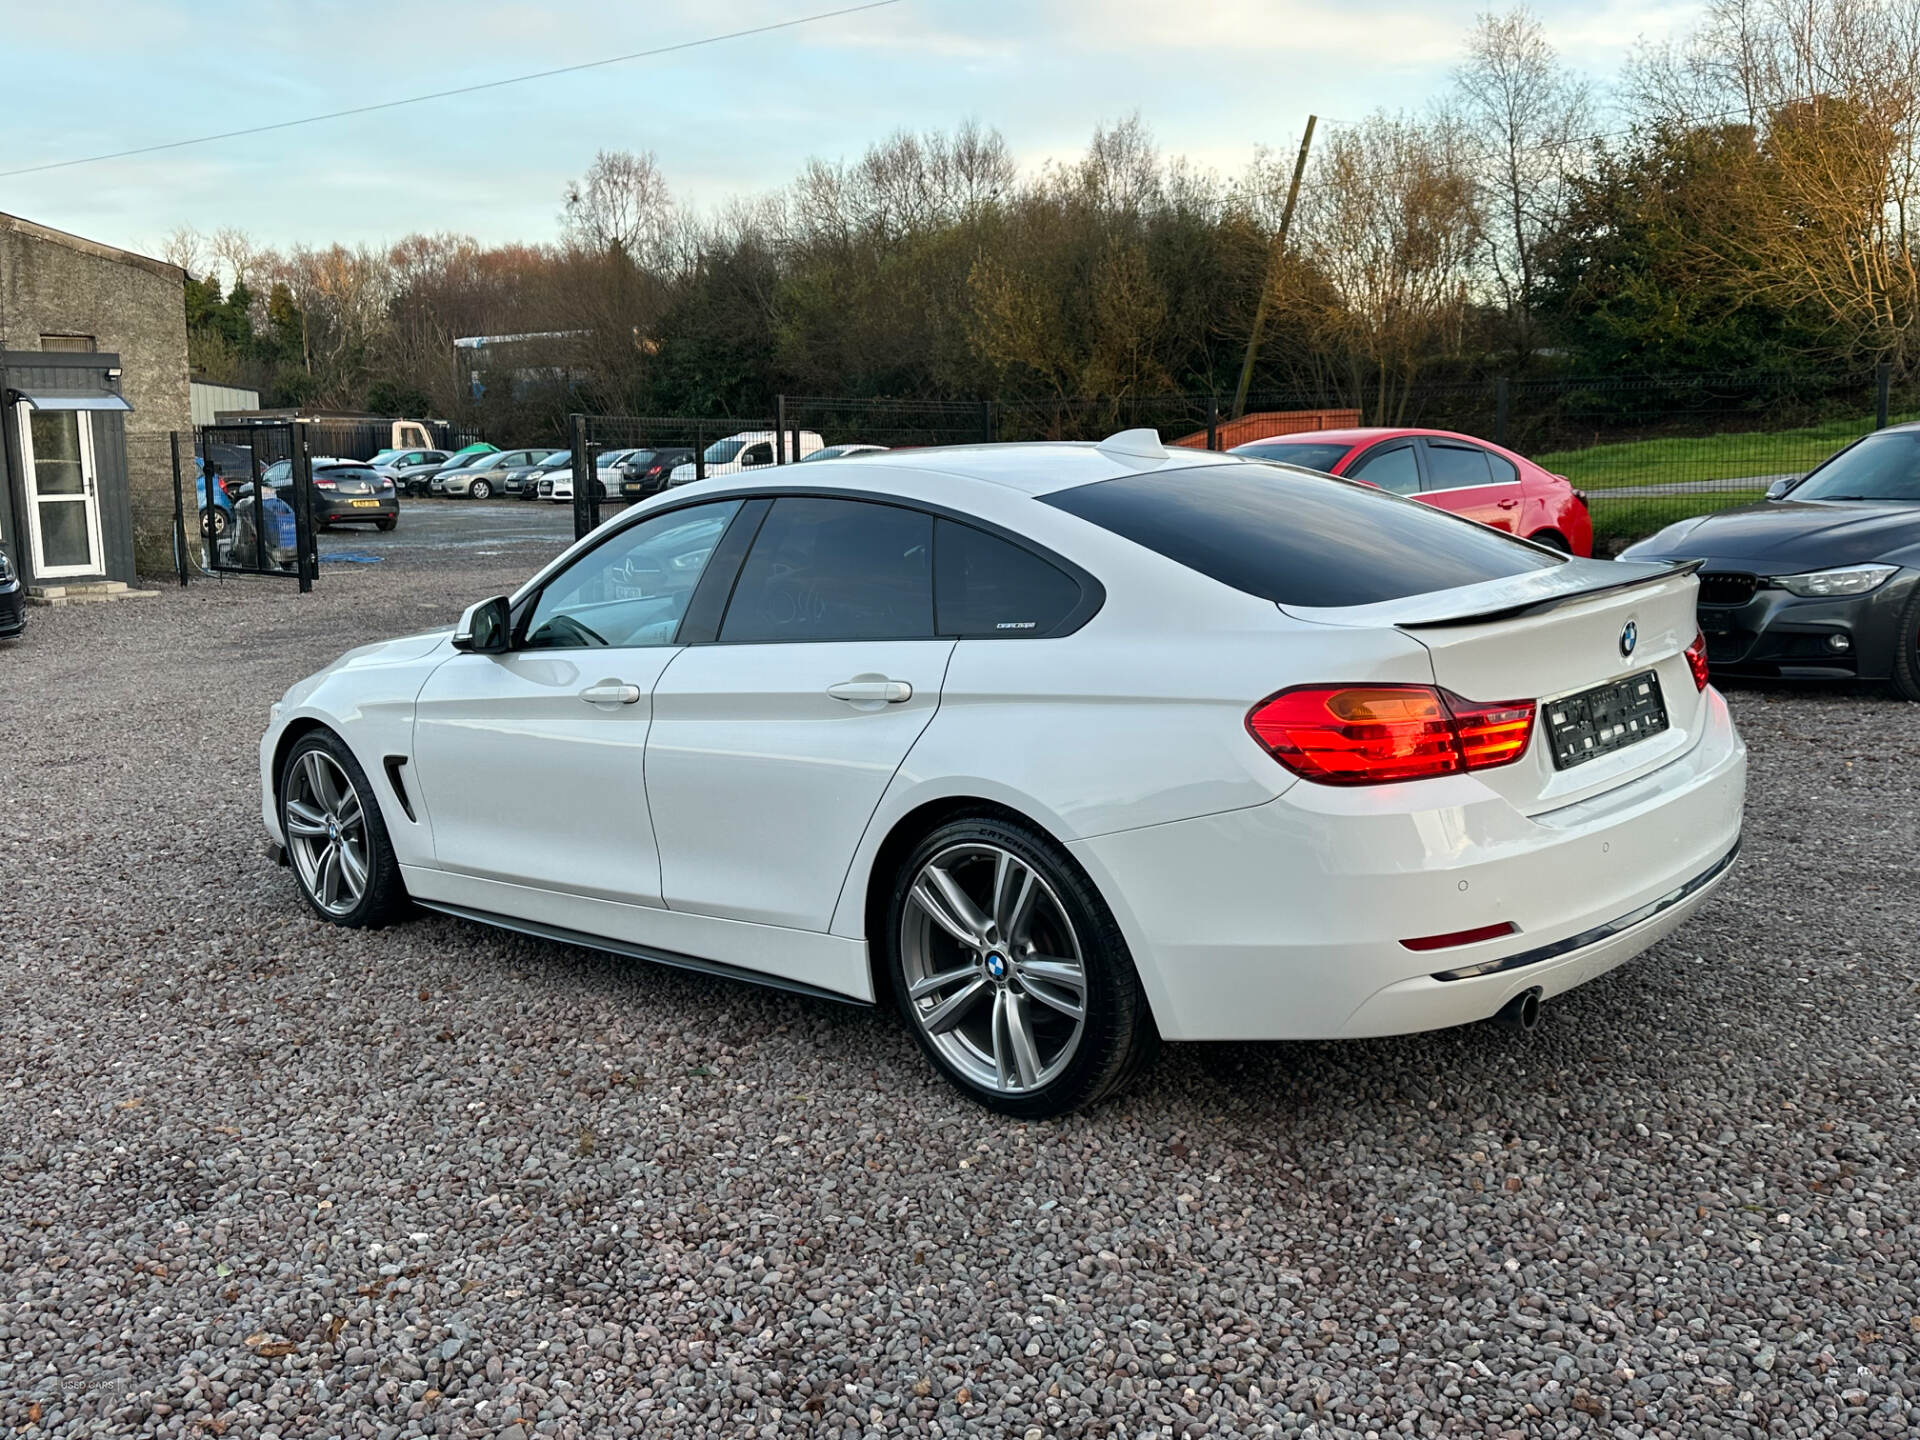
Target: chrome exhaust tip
{"points": [[1522, 1012]]}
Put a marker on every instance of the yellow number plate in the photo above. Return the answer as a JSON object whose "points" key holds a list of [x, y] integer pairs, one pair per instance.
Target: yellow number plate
{"points": [[366, 504]]}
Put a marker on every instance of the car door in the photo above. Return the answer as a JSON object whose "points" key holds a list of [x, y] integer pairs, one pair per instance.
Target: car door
{"points": [[531, 763], [1391, 465], [771, 748], [1462, 480]]}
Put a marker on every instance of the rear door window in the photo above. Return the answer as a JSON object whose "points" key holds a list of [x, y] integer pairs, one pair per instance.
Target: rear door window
{"points": [[1453, 466], [1393, 466], [824, 569], [1298, 539], [985, 586]]}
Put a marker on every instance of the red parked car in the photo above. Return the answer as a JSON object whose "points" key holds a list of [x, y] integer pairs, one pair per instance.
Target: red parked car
{"points": [[1456, 473]]}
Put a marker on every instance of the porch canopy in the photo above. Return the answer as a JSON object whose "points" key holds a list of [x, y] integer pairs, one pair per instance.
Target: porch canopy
{"points": [[79, 399]]}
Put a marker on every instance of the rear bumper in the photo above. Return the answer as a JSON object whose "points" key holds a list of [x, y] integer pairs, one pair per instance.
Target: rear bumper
{"points": [[1285, 921], [341, 513]]}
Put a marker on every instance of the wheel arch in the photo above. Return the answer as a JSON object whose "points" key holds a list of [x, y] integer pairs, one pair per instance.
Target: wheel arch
{"points": [[296, 730], [907, 831]]}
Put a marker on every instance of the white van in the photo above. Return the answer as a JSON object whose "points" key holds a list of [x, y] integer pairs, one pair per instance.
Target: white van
{"points": [[748, 450]]}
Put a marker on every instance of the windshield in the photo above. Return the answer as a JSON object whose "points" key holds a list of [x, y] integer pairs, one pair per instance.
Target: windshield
{"points": [[384, 456], [1308, 455], [556, 460], [1881, 467], [721, 451]]}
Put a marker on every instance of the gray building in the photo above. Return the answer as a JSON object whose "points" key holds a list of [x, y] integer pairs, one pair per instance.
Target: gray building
{"points": [[93, 378]]}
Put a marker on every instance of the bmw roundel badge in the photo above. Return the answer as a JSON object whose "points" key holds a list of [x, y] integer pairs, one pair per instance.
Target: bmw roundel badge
{"points": [[1629, 637]]}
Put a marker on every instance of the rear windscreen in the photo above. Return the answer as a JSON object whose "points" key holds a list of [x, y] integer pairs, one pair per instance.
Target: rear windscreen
{"points": [[1308, 455], [1299, 539]]}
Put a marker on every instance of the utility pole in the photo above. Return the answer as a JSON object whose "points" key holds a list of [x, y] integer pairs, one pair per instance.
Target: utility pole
{"points": [[1273, 264]]}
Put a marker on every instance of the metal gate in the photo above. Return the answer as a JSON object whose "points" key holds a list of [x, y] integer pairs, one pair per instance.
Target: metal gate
{"points": [[249, 492]]}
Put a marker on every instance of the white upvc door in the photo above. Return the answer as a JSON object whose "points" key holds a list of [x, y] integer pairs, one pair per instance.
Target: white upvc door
{"points": [[63, 503]]}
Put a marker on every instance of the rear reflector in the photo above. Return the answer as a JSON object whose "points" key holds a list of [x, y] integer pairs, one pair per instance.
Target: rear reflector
{"points": [[1376, 734], [1461, 937], [1697, 661]]}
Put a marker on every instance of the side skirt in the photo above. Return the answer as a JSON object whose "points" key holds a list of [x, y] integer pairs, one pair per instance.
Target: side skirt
{"points": [[677, 961]]}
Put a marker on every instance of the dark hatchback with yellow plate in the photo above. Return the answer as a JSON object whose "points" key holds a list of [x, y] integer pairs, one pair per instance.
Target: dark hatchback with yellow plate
{"points": [[1819, 581], [345, 492]]}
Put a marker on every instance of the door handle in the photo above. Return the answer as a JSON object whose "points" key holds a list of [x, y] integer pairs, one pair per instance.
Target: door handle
{"points": [[887, 692], [1509, 504], [611, 695]]}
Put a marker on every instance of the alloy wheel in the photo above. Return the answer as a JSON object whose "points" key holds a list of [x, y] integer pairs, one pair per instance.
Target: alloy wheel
{"points": [[327, 833], [995, 975]]}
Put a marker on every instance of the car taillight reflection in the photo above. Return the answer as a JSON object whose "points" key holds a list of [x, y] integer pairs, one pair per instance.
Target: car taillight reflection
{"points": [[1376, 734]]}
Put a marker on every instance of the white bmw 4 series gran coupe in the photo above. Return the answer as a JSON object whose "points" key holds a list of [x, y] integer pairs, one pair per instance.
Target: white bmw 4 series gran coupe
{"points": [[1062, 749]]}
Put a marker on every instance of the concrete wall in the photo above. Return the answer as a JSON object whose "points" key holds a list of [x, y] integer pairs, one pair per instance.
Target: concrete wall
{"points": [[52, 283]]}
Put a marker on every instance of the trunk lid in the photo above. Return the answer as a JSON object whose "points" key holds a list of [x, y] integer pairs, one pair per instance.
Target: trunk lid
{"points": [[1550, 635]]}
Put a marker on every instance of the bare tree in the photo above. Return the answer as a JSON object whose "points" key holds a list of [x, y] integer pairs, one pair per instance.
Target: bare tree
{"points": [[1530, 122], [186, 247], [1826, 97], [622, 202], [1389, 226], [239, 259]]}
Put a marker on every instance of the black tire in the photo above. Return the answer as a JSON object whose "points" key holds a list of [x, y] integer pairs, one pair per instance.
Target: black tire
{"points": [[1553, 540], [1118, 1039], [386, 524], [216, 518], [1906, 652], [384, 896], [480, 490]]}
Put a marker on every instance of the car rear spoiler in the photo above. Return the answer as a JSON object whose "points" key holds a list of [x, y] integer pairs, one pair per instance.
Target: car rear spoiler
{"points": [[1551, 602]]}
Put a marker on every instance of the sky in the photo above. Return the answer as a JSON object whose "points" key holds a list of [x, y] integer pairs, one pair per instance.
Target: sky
{"points": [[1213, 81]]}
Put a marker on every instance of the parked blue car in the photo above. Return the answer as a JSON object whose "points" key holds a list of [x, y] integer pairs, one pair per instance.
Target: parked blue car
{"points": [[222, 518], [234, 525]]}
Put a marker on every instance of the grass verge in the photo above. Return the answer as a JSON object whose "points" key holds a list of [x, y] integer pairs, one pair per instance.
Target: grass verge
{"points": [[1706, 457], [1619, 522]]}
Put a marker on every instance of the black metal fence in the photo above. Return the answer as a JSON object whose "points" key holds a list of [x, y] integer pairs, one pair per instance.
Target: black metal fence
{"points": [[1644, 452], [617, 459], [243, 502]]}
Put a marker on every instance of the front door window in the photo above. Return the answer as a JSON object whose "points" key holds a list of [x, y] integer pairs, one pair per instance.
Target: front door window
{"points": [[57, 455]]}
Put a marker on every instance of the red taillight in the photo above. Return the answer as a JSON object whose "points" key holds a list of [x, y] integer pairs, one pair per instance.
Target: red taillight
{"points": [[1373, 734], [1697, 661]]}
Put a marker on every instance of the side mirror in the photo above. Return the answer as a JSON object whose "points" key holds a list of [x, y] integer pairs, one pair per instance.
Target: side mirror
{"points": [[486, 628], [1781, 486]]}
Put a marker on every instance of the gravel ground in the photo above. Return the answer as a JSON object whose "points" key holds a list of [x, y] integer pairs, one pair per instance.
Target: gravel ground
{"points": [[262, 1177]]}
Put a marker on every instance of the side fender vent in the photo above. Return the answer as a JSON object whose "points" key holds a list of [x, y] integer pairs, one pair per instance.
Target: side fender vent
{"points": [[395, 764]]}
